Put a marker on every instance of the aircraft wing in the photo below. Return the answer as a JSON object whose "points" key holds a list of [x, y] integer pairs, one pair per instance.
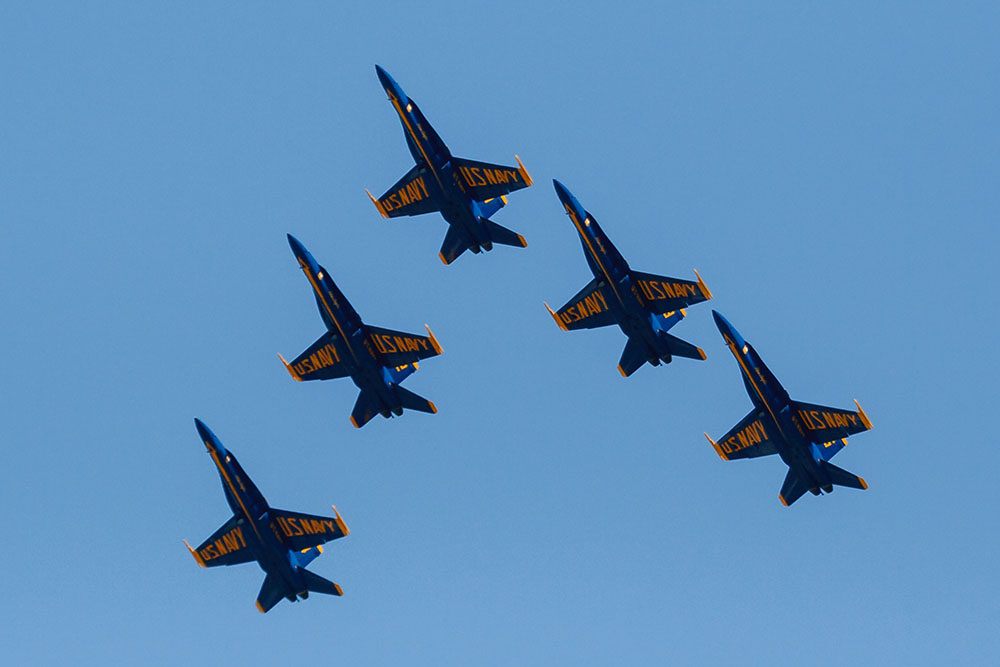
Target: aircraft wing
{"points": [[409, 196], [825, 425], [226, 546], [482, 180], [587, 310], [320, 361], [399, 348], [661, 294], [748, 439], [304, 531]]}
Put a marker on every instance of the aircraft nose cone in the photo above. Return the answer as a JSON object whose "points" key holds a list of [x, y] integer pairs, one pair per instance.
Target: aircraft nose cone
{"points": [[207, 437], [727, 330], [561, 190], [297, 248], [387, 81]]}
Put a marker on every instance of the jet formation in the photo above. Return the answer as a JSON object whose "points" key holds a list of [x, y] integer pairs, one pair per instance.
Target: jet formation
{"points": [[376, 359], [644, 305], [465, 192], [281, 542], [804, 435]]}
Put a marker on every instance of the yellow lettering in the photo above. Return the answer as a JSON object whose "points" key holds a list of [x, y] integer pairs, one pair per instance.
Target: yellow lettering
{"points": [[479, 177], [423, 186]]}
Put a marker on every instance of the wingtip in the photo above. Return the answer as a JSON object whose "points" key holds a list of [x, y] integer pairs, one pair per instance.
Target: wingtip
{"points": [[705, 292], [524, 172], [443, 260], [195, 554], [622, 371], [339, 590], [864, 417], [864, 484], [718, 450], [524, 244], [782, 499], [291, 371], [340, 521], [702, 353], [434, 409], [555, 317], [378, 205], [355, 422], [434, 341], [260, 608]]}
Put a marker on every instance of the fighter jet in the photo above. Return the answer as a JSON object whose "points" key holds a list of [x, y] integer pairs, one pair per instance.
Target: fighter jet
{"points": [[805, 436], [465, 192], [376, 359], [644, 305], [281, 542]]}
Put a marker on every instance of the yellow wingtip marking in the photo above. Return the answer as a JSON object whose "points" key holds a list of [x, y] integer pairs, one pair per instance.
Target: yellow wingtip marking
{"points": [[555, 317], [377, 205], [718, 450], [354, 421], [259, 608], [339, 590], [864, 484], [782, 499], [702, 353], [291, 371], [434, 342], [622, 371], [702, 286], [340, 521], [434, 409], [443, 260], [864, 418], [524, 172], [524, 244], [194, 553]]}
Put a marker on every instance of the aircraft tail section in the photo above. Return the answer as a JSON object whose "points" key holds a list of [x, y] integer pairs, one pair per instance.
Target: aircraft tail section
{"points": [[270, 594], [682, 348], [413, 401], [633, 357], [502, 235], [365, 409], [317, 584], [454, 245], [793, 488], [841, 477]]}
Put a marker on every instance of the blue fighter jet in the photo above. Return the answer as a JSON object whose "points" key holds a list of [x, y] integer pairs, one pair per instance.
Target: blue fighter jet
{"points": [[376, 359], [466, 192], [644, 305], [281, 542], [805, 436]]}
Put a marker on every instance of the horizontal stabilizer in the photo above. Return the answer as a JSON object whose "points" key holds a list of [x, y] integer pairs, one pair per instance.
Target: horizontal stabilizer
{"points": [[633, 357], [317, 584], [841, 477], [365, 409], [412, 401], [502, 235], [682, 348], [270, 594], [792, 489], [455, 243]]}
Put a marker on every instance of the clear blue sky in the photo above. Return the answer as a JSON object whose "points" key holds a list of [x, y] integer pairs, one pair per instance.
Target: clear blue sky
{"points": [[830, 170]]}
